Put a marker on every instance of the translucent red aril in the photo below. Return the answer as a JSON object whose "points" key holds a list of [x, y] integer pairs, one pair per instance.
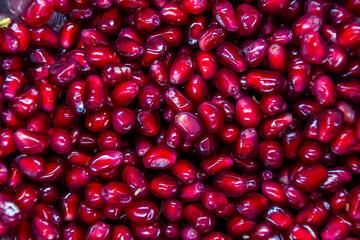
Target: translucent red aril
{"points": [[211, 38], [345, 141], [142, 211], [271, 153], [184, 170], [310, 178], [313, 48], [230, 183], [25, 104], [270, 128], [201, 220], [191, 192], [189, 125], [98, 230], [206, 64], [238, 226], [69, 204], [38, 13], [230, 56], [160, 157], [30, 142], [172, 13], [164, 187], [97, 56], [182, 69], [277, 57], [254, 51], [265, 81], [172, 209], [59, 140], [251, 205], [248, 19], [224, 13], [116, 194], [194, 7], [246, 144], [248, 112], [212, 116], [338, 227], [337, 177], [104, 161]]}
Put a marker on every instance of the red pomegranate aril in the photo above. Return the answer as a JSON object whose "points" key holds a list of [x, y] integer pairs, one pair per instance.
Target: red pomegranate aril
{"points": [[142, 211], [230, 56], [147, 231], [172, 209], [76, 178], [254, 51], [182, 69], [251, 205], [172, 230], [191, 192], [330, 122], [194, 30], [265, 81], [59, 140], [21, 31], [70, 33], [38, 13], [338, 227], [148, 122], [248, 112], [98, 56], [224, 13], [212, 116], [116, 194], [95, 93], [211, 38], [238, 226], [194, 212], [206, 64], [248, 19], [25, 104], [121, 232], [41, 56], [189, 125], [337, 177], [97, 231], [164, 187], [273, 191], [184, 170], [136, 181], [271, 153], [104, 161], [212, 200], [124, 93], [109, 23], [109, 140], [93, 195], [12, 63], [42, 229], [306, 23], [354, 202], [349, 35], [345, 142], [279, 217], [30, 142], [270, 128], [277, 57], [44, 36], [230, 183], [10, 43], [69, 204], [310, 53], [147, 19], [296, 198], [172, 13]]}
